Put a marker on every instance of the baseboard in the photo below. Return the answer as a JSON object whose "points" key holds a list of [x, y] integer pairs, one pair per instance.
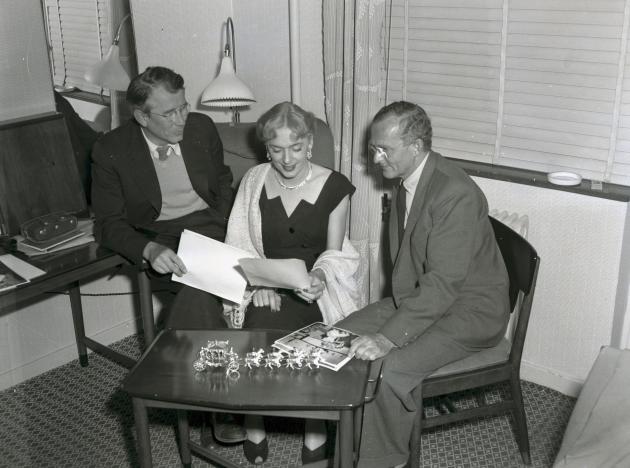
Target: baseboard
{"points": [[63, 355], [550, 378]]}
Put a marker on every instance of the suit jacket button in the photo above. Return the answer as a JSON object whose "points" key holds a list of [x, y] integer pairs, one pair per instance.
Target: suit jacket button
{"points": [[291, 230]]}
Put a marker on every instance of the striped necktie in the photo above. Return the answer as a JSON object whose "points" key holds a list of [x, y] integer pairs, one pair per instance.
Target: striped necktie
{"points": [[162, 152]]}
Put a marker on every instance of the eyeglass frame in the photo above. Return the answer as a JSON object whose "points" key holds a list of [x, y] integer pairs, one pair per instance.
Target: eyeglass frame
{"points": [[174, 113], [378, 151]]}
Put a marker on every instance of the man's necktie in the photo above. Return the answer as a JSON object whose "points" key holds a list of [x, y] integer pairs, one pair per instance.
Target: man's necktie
{"points": [[401, 210], [162, 152]]}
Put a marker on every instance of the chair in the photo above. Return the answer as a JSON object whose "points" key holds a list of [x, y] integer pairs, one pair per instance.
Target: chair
{"points": [[242, 149], [500, 364]]}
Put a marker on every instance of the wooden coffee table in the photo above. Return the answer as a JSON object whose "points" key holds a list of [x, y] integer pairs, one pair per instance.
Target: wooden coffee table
{"points": [[164, 377]]}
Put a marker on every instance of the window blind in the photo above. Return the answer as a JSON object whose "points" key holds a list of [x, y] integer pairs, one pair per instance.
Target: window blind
{"points": [[537, 84], [79, 35]]}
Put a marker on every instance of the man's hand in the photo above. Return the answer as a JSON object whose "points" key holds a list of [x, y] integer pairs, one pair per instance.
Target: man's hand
{"points": [[162, 259], [267, 297], [371, 347], [316, 289]]}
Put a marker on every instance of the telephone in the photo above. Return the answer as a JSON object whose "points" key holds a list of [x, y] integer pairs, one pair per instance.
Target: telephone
{"points": [[49, 227]]}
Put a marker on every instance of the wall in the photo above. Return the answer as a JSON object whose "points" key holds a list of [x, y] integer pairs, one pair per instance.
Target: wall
{"points": [[581, 289], [189, 41], [24, 72]]}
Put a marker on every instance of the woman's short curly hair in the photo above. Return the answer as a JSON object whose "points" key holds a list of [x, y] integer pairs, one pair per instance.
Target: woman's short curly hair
{"points": [[285, 114], [413, 121]]}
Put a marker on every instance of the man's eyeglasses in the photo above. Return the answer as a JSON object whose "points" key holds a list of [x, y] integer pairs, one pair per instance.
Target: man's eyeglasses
{"points": [[171, 115], [376, 152]]}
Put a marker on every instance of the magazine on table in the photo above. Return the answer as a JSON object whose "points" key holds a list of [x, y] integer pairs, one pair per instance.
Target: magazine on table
{"points": [[332, 343]]}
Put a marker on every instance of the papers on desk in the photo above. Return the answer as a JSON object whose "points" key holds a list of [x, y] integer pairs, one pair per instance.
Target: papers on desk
{"points": [[225, 271], [14, 272]]}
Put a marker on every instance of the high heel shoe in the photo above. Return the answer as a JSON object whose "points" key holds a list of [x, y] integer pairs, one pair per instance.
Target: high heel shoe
{"points": [[312, 456], [256, 453]]}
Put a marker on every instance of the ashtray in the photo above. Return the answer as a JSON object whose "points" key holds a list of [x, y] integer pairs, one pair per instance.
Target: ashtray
{"points": [[564, 178]]}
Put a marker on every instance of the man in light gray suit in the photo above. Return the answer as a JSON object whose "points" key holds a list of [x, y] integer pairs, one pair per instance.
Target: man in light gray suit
{"points": [[449, 282]]}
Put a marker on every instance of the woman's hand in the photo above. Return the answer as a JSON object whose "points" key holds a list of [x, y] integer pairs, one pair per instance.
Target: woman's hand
{"points": [[316, 289], [267, 297]]}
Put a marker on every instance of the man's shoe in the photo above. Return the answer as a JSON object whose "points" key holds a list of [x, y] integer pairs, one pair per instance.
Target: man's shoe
{"points": [[227, 430]]}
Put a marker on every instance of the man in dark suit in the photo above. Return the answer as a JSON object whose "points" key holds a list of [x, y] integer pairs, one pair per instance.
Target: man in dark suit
{"points": [[155, 176], [449, 282]]}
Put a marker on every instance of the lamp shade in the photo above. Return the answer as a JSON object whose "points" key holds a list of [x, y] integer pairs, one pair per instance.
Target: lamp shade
{"points": [[227, 90], [108, 72]]}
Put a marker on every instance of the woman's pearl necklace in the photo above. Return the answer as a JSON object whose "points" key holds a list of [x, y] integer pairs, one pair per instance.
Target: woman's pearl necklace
{"points": [[301, 184]]}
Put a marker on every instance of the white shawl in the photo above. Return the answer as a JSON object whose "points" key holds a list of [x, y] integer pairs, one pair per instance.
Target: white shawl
{"points": [[341, 296]]}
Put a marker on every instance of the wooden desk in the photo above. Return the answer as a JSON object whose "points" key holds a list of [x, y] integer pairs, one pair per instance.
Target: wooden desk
{"points": [[64, 270], [164, 378]]}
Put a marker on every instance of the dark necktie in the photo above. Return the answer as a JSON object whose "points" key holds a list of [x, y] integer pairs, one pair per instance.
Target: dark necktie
{"points": [[401, 209], [162, 152]]}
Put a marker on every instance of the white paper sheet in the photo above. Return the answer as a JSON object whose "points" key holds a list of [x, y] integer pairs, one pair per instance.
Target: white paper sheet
{"points": [[212, 266], [22, 268], [14, 272], [287, 273]]}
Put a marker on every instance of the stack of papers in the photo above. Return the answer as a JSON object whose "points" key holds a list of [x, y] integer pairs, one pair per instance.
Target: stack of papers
{"points": [[225, 271]]}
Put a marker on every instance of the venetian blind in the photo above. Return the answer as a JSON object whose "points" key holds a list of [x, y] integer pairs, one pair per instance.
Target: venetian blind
{"points": [[79, 35], [537, 84]]}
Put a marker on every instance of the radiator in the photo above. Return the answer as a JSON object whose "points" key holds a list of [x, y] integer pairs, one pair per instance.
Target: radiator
{"points": [[520, 224]]}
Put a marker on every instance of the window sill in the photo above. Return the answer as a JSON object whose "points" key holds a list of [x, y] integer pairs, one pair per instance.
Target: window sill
{"points": [[539, 179], [87, 97]]}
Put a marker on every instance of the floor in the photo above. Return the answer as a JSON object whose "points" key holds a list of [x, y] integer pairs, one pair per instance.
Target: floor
{"points": [[78, 417]]}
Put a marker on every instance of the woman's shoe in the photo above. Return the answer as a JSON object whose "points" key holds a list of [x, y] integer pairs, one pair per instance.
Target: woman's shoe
{"points": [[256, 453], [312, 456]]}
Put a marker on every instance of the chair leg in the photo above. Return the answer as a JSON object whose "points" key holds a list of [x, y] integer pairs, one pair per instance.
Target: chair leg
{"points": [[522, 438], [358, 426], [415, 444]]}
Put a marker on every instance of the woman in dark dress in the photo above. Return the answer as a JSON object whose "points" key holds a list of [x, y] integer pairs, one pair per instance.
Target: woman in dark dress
{"points": [[292, 208]]}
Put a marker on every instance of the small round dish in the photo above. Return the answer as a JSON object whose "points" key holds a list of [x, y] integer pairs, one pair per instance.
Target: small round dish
{"points": [[564, 178]]}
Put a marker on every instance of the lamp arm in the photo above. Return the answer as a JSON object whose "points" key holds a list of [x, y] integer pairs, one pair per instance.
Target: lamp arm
{"points": [[229, 44], [125, 18]]}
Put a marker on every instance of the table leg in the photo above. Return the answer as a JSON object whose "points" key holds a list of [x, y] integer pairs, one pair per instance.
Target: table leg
{"points": [[77, 320], [184, 437], [346, 438], [146, 306], [142, 433]]}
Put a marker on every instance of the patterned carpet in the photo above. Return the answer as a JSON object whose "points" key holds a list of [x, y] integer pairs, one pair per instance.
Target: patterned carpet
{"points": [[78, 417]]}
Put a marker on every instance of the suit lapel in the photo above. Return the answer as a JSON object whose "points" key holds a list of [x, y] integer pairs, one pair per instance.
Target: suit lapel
{"points": [[143, 168], [415, 210], [196, 166]]}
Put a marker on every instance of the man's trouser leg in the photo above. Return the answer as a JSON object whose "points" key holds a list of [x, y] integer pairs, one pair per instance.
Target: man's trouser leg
{"points": [[388, 420]]}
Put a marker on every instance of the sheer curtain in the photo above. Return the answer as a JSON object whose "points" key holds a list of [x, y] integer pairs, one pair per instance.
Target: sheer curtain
{"points": [[354, 91]]}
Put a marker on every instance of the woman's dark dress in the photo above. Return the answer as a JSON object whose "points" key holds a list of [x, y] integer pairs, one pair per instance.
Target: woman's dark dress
{"points": [[301, 235]]}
